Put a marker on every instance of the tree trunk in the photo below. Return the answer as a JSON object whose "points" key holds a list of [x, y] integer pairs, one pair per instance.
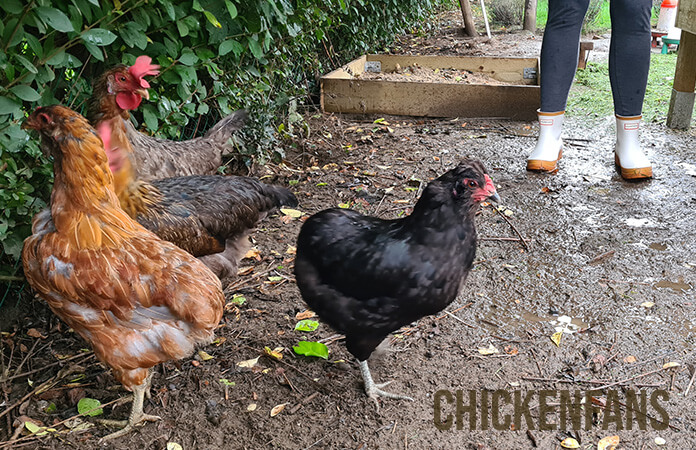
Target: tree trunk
{"points": [[530, 11], [469, 28]]}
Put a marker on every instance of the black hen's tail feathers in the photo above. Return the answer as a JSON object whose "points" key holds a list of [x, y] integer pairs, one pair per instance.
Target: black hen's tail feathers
{"points": [[227, 126]]}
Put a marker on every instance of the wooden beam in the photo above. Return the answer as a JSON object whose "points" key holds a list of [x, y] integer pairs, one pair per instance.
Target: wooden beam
{"points": [[681, 105]]}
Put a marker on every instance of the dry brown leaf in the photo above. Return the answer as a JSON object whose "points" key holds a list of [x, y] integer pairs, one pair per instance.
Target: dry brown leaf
{"points": [[292, 250], [277, 409], [630, 359], [608, 443], [253, 253], [570, 443], [490, 350], [252, 407], [556, 338], [245, 270], [249, 363], [204, 355], [305, 315], [670, 365], [33, 332]]}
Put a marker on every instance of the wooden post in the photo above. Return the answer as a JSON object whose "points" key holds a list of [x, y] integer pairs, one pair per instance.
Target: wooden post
{"points": [[467, 15], [530, 11], [681, 104]]}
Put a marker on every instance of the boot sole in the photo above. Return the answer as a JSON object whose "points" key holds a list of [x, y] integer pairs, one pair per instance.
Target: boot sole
{"points": [[640, 173], [539, 165]]}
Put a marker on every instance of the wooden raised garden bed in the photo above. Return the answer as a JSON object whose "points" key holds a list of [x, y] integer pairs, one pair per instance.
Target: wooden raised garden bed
{"points": [[434, 86]]}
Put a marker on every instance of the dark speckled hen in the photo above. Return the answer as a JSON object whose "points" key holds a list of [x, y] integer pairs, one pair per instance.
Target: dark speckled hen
{"points": [[209, 216], [367, 277], [120, 90]]}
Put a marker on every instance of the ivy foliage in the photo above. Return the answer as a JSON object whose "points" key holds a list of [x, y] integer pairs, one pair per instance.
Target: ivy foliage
{"points": [[216, 56]]}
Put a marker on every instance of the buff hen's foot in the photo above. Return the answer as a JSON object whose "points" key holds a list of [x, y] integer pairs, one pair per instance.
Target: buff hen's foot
{"points": [[137, 416]]}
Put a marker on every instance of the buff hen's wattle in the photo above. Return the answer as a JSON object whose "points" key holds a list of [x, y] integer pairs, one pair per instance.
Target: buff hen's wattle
{"points": [[137, 299]]}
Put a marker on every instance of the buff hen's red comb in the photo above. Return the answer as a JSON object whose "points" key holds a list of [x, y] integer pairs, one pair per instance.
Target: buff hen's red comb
{"points": [[143, 66]]}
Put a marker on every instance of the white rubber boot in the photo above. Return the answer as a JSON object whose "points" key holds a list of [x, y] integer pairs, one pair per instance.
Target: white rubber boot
{"points": [[628, 156], [549, 147]]}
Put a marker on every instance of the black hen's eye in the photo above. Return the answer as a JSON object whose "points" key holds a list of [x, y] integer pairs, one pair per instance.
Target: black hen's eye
{"points": [[472, 183]]}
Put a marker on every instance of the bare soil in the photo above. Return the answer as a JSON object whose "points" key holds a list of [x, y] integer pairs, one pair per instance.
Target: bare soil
{"points": [[418, 74], [616, 257]]}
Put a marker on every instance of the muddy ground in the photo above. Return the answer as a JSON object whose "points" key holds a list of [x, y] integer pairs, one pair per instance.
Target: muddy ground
{"points": [[616, 257]]}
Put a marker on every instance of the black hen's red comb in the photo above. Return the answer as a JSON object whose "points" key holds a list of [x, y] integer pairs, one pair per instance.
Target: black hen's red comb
{"points": [[143, 66]]}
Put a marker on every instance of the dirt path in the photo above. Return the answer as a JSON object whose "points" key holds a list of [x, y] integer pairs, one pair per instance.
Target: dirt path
{"points": [[616, 257]]}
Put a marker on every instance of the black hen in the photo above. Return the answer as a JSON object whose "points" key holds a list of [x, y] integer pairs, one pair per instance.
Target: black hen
{"points": [[367, 277]]}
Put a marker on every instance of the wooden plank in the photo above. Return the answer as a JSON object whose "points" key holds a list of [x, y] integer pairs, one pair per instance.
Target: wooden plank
{"points": [[508, 70], [355, 67], [429, 99], [686, 15]]}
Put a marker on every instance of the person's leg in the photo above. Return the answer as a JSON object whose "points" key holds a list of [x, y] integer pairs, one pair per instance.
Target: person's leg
{"points": [[559, 58], [629, 63]]}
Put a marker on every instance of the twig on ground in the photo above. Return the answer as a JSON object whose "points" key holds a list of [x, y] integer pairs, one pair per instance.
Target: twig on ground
{"points": [[691, 382], [606, 386], [460, 320], [517, 232]]}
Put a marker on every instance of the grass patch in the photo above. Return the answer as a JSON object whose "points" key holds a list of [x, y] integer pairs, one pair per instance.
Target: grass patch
{"points": [[591, 92]]}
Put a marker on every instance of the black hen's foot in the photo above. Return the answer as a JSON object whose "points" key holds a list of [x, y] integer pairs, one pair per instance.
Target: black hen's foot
{"points": [[374, 390]]}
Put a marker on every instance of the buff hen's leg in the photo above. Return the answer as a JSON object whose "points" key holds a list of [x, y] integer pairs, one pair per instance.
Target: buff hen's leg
{"points": [[374, 390], [136, 416]]}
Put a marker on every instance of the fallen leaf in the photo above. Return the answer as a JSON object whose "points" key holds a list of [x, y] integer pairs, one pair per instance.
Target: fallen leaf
{"points": [[556, 338], [306, 325], [238, 299], [87, 406], [275, 353], [570, 443], [274, 279], [204, 355], [311, 349], [252, 407], [291, 212], [277, 409], [630, 359], [227, 382], [670, 365], [291, 250], [219, 341], [249, 363], [608, 443], [253, 253], [174, 446], [647, 304], [510, 350], [245, 270], [401, 202], [490, 350], [660, 441], [545, 190], [305, 315], [33, 332]]}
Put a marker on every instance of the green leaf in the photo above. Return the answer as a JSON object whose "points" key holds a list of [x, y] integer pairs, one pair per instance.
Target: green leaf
{"points": [[26, 93], [8, 106], [238, 299], [231, 9], [188, 58], [212, 19], [86, 405], [227, 382], [255, 47], [99, 36], [169, 8], [312, 349], [94, 2], [54, 18], [26, 63], [150, 117], [196, 6], [307, 325], [12, 6], [33, 428], [94, 51]]}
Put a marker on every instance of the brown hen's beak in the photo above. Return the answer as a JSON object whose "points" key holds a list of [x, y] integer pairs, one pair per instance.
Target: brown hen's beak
{"points": [[143, 93]]}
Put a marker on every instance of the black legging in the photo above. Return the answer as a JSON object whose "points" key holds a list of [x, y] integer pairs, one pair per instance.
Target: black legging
{"points": [[629, 53]]}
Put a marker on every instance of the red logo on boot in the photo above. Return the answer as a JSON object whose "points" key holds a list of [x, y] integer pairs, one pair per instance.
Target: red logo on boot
{"points": [[545, 122], [630, 126]]}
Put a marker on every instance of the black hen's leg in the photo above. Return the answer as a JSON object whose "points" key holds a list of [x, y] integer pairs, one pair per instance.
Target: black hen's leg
{"points": [[374, 390]]}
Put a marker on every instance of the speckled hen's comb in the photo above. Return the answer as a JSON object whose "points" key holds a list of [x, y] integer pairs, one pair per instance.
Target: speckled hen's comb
{"points": [[143, 66]]}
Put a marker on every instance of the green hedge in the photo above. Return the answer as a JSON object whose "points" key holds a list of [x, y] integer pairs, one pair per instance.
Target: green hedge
{"points": [[216, 56]]}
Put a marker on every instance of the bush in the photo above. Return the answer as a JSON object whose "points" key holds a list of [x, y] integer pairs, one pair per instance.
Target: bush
{"points": [[507, 12], [216, 56]]}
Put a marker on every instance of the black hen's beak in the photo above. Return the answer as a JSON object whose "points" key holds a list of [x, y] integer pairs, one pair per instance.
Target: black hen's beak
{"points": [[490, 190]]}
